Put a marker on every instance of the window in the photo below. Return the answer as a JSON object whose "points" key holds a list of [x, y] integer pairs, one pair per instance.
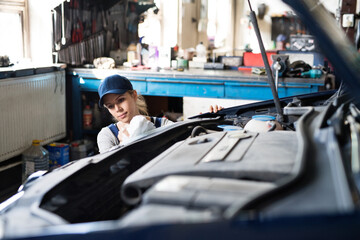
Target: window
{"points": [[14, 30]]}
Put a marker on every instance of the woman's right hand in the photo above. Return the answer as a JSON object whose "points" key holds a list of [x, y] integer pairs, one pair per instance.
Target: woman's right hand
{"points": [[123, 132]]}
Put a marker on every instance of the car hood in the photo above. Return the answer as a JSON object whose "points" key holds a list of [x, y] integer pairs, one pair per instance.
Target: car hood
{"points": [[196, 178]]}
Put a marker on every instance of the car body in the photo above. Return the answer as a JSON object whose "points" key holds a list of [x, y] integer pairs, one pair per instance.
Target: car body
{"points": [[215, 177]]}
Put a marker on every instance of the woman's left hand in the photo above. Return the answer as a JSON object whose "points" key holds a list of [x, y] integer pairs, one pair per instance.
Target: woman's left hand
{"points": [[215, 109]]}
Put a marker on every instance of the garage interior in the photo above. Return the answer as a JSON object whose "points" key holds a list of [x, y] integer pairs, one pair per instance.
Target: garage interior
{"points": [[181, 55]]}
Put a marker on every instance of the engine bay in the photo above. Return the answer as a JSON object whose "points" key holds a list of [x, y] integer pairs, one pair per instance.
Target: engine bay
{"points": [[210, 168], [199, 169]]}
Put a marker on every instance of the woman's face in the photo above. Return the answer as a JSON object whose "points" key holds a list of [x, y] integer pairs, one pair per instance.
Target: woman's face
{"points": [[122, 106]]}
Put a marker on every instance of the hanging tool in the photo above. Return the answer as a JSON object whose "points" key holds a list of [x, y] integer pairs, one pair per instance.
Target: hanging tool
{"points": [[63, 39], [277, 68], [77, 31], [267, 66], [77, 34], [280, 66]]}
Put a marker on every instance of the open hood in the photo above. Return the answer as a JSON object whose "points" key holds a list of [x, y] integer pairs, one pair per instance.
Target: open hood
{"points": [[238, 173]]}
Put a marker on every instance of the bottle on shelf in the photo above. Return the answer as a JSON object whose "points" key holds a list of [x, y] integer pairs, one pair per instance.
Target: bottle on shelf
{"points": [[87, 117], [34, 159], [201, 50]]}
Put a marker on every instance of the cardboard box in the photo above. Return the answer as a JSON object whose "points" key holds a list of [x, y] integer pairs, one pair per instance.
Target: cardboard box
{"points": [[58, 154]]}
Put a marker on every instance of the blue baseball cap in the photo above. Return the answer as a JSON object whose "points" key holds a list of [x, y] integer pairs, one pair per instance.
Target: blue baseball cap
{"points": [[113, 84]]}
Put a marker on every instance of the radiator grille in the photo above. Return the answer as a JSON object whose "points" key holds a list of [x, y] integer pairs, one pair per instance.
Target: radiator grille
{"points": [[31, 107]]}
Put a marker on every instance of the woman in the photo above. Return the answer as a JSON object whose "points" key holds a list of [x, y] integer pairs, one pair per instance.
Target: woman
{"points": [[118, 96]]}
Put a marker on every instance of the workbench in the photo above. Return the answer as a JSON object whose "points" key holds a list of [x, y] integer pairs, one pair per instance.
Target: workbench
{"points": [[225, 84]]}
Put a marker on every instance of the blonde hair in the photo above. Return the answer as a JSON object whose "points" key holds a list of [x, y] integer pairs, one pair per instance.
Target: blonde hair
{"points": [[140, 104]]}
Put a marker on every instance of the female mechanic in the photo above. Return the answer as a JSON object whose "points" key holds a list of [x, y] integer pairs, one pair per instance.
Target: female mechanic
{"points": [[124, 103]]}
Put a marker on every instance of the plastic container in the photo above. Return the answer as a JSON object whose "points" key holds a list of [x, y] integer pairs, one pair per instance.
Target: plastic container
{"points": [[78, 151], [262, 123], [131, 53], [87, 117], [182, 64], [59, 154], [201, 50], [34, 159], [313, 73], [81, 149]]}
